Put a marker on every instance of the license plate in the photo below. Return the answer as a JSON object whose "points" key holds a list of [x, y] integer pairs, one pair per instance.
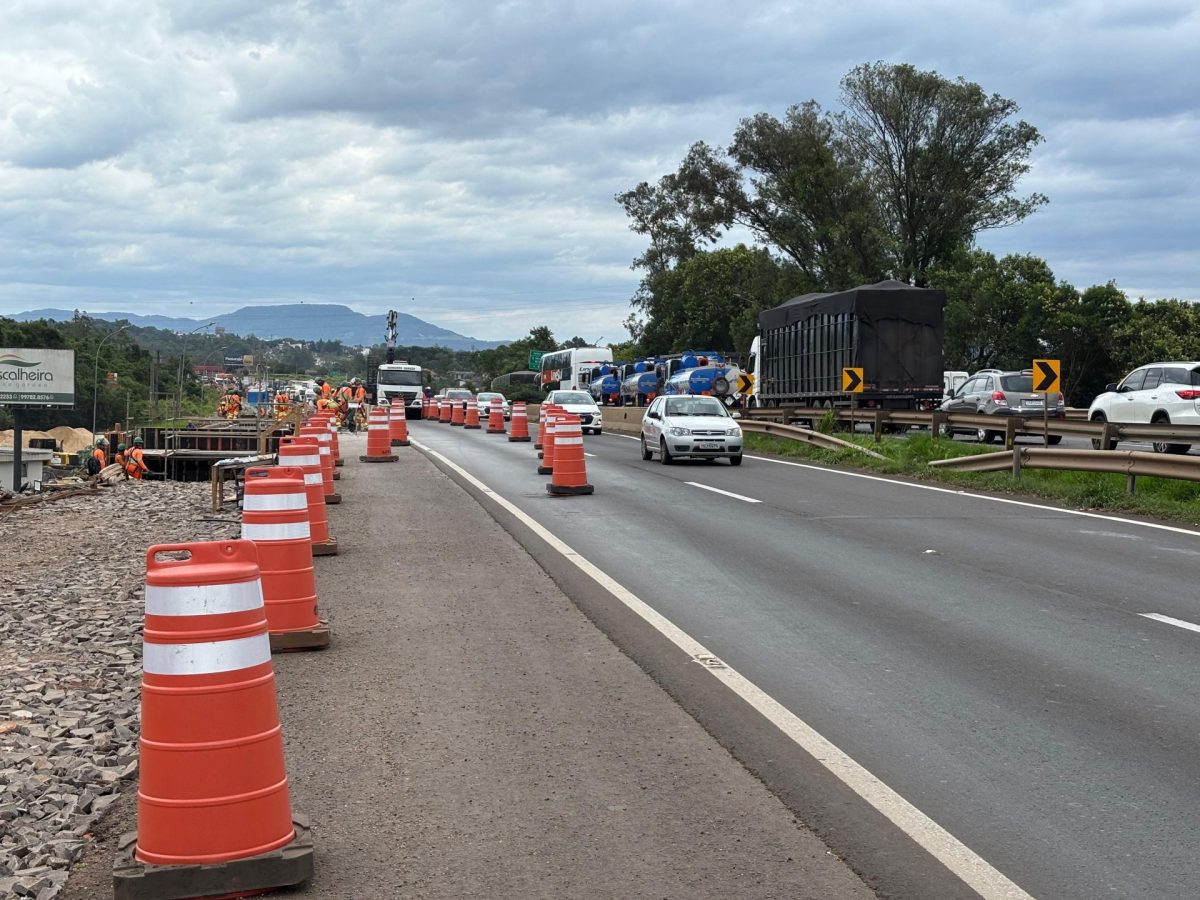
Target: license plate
{"points": [[709, 445], [1037, 403]]}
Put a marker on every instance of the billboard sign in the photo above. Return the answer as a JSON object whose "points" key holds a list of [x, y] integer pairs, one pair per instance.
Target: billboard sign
{"points": [[37, 377]]}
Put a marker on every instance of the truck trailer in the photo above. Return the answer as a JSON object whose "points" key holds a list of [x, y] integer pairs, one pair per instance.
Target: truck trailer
{"points": [[892, 331]]}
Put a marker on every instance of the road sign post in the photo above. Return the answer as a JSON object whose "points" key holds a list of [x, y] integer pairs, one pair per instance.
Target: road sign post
{"points": [[1047, 379], [852, 383]]}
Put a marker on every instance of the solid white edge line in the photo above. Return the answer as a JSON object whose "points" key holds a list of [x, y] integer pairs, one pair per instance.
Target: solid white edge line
{"points": [[705, 487], [961, 493], [938, 842], [1178, 623]]}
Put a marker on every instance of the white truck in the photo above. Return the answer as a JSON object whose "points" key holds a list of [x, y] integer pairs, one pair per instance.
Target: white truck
{"points": [[399, 379]]}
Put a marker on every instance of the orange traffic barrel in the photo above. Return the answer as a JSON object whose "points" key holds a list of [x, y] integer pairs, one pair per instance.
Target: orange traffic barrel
{"points": [[327, 421], [305, 453], [495, 417], [321, 433], [445, 411], [458, 413], [213, 789], [275, 517], [471, 414], [520, 423], [379, 441], [542, 411], [570, 470], [546, 466], [398, 424]]}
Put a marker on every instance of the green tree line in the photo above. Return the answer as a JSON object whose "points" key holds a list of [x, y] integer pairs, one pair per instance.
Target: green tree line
{"points": [[899, 184]]}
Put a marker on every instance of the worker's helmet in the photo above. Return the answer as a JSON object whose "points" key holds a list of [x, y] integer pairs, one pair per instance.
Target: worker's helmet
{"points": [[120, 446], [101, 442], [138, 440]]}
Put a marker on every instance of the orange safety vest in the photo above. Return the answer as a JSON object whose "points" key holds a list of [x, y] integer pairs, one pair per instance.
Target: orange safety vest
{"points": [[326, 390], [134, 466], [99, 454], [360, 394]]}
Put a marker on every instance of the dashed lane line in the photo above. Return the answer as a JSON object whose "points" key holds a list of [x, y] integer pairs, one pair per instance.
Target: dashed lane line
{"points": [[941, 490], [956, 856], [705, 487]]}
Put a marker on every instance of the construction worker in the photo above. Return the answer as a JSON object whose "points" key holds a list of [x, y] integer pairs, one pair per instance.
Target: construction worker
{"points": [[119, 459], [99, 451], [326, 389], [283, 404], [233, 404], [135, 464]]}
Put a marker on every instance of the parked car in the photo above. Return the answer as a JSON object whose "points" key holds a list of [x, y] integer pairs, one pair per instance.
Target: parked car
{"points": [[991, 392], [1161, 393], [580, 403], [484, 399], [689, 426]]}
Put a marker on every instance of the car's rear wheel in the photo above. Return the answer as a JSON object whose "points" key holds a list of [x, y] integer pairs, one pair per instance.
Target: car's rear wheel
{"points": [[1098, 443], [735, 460], [1053, 439], [983, 435], [666, 458], [1163, 446], [646, 451]]}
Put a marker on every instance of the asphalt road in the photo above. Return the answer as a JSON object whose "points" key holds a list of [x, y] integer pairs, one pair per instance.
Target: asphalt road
{"points": [[988, 660]]}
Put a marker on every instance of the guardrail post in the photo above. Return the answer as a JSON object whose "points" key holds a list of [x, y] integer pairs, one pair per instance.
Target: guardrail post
{"points": [[1130, 483], [1016, 451], [877, 425], [1108, 437], [1010, 432], [936, 422]]}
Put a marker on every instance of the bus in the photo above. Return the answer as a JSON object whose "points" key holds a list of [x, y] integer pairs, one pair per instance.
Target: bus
{"points": [[571, 370], [503, 383]]}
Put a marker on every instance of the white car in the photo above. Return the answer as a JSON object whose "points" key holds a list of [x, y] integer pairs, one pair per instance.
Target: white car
{"points": [[1161, 393], [690, 426], [484, 399], [579, 403]]}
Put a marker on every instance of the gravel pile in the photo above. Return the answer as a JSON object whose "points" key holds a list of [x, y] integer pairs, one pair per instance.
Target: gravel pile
{"points": [[70, 665]]}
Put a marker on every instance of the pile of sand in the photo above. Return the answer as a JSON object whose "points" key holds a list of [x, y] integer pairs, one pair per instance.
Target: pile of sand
{"points": [[72, 439]]}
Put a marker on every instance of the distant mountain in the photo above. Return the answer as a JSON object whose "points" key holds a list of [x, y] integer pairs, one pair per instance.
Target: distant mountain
{"points": [[298, 321]]}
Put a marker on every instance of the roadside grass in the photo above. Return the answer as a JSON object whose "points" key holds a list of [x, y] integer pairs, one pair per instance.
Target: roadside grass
{"points": [[1160, 498]]}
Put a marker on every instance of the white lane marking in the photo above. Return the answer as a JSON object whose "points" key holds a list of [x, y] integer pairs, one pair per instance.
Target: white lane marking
{"points": [[941, 490], [1178, 623], [592, 455], [960, 859], [705, 487]]}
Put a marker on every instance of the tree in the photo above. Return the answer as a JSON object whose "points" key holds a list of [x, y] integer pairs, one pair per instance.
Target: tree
{"points": [[943, 159], [712, 300]]}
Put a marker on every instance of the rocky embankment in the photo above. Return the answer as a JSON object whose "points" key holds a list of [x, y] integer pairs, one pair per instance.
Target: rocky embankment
{"points": [[70, 664]]}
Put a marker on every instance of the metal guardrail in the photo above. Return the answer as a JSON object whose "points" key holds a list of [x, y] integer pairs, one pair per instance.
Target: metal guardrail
{"points": [[1130, 463], [1104, 434], [805, 435]]}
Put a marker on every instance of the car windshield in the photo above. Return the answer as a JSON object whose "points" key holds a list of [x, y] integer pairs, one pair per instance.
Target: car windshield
{"points": [[489, 397], [398, 376], [572, 397], [458, 395], [1020, 384], [694, 406]]}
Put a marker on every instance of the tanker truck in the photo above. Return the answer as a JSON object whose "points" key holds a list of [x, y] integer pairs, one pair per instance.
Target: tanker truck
{"points": [[892, 331]]}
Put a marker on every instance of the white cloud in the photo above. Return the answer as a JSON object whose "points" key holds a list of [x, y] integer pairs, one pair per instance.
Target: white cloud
{"points": [[466, 154]]}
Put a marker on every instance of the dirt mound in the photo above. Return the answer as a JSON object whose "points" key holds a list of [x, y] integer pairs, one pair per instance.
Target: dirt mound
{"points": [[72, 439]]}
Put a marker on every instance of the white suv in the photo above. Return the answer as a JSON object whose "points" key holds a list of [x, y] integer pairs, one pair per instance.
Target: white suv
{"points": [[1161, 393]]}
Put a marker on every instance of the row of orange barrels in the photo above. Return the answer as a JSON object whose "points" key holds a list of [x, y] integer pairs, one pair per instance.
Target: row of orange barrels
{"points": [[559, 445], [214, 814]]}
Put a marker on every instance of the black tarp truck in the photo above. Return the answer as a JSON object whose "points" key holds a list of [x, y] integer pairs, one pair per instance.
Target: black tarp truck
{"points": [[892, 331]]}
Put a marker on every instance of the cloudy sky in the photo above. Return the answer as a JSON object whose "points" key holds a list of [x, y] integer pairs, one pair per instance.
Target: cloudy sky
{"points": [[458, 160]]}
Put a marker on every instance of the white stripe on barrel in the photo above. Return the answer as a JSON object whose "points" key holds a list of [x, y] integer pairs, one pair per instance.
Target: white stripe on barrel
{"points": [[300, 460], [207, 658], [561, 441], [274, 502], [203, 599], [277, 531], [311, 478]]}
